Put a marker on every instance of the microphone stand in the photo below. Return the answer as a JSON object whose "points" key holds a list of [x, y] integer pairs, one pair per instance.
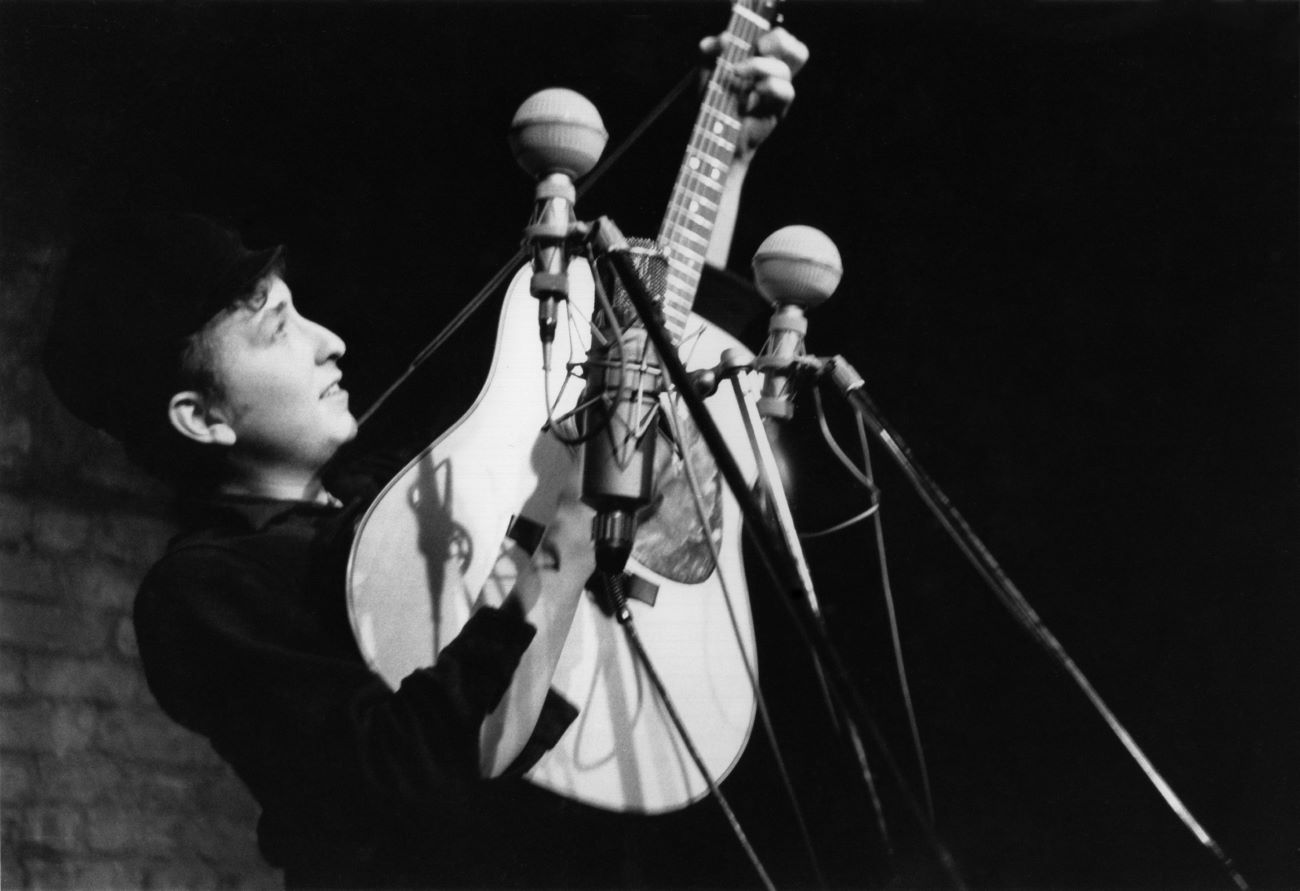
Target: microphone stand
{"points": [[851, 386], [609, 241], [769, 476]]}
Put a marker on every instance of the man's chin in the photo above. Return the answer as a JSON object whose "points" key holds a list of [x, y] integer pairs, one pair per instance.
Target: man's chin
{"points": [[342, 429]]}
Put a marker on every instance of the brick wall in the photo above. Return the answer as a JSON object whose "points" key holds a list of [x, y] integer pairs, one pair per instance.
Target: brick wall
{"points": [[98, 789]]}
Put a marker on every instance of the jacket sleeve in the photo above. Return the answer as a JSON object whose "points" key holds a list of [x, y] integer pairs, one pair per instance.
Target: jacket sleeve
{"points": [[321, 740]]}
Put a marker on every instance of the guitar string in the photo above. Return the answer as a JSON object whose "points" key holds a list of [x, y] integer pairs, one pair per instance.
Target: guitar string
{"points": [[724, 77], [722, 80], [727, 79], [633, 637], [477, 302], [509, 266]]}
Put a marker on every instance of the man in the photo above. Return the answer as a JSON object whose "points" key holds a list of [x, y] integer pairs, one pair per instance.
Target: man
{"points": [[189, 348]]}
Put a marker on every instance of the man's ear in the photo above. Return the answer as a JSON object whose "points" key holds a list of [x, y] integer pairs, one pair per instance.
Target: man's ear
{"points": [[197, 419]]}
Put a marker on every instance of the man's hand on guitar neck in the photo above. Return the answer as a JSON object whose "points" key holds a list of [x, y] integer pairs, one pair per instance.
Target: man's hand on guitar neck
{"points": [[768, 79], [767, 89]]}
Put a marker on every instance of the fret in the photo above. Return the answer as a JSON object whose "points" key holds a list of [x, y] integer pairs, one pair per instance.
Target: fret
{"points": [[692, 235], [725, 68], [701, 218], [737, 43], [689, 259], [752, 17], [681, 284], [719, 140], [703, 222], [707, 169], [697, 158], [686, 280], [732, 123], [699, 203], [717, 90], [688, 284], [684, 261], [680, 300], [717, 130], [687, 227], [685, 291], [679, 321], [691, 227], [714, 185], [706, 141]]}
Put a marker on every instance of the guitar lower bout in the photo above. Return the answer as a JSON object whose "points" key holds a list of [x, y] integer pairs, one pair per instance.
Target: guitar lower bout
{"points": [[437, 539]]}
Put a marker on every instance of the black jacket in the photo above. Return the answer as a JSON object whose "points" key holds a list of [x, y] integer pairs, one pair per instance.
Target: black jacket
{"points": [[245, 639]]}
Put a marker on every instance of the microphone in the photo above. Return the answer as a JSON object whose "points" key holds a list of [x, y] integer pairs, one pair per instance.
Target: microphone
{"points": [[618, 460], [556, 136], [795, 268]]}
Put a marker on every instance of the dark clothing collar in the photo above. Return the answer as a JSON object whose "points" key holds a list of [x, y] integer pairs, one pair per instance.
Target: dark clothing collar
{"points": [[251, 513]]}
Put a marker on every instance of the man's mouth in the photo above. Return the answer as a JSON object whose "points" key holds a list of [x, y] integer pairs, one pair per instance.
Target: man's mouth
{"points": [[332, 390]]}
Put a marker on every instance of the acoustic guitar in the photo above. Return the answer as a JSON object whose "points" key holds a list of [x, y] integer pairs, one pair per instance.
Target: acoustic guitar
{"points": [[458, 520]]}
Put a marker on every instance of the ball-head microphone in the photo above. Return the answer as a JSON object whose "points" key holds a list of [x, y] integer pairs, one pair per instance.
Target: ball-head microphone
{"points": [[795, 268], [556, 136]]}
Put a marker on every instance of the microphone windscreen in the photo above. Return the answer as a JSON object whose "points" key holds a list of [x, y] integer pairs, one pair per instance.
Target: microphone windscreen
{"points": [[557, 131], [797, 265]]}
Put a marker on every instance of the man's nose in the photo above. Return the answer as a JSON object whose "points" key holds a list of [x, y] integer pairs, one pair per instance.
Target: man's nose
{"points": [[328, 344]]}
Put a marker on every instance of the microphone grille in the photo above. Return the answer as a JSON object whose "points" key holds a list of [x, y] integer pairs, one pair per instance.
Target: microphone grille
{"points": [[557, 131], [797, 265]]}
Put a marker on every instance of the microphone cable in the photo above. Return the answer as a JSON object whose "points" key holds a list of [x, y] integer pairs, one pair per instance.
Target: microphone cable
{"points": [[750, 660], [866, 477]]}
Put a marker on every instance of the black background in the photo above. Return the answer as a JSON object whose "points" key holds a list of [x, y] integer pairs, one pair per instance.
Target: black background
{"points": [[1069, 237]]}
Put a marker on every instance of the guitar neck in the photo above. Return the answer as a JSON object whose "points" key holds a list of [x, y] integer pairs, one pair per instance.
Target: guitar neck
{"points": [[693, 208]]}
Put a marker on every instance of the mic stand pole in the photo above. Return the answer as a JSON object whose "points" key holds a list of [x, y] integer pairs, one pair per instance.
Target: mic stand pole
{"points": [[850, 384], [733, 363], [769, 475], [610, 241]]}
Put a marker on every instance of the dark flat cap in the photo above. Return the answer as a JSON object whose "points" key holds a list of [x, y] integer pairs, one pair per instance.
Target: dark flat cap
{"points": [[134, 288]]}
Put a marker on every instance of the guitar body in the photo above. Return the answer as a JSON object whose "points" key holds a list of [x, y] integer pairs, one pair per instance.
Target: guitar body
{"points": [[451, 531], [439, 538]]}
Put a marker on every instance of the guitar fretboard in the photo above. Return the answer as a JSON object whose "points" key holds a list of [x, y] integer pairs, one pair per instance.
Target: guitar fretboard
{"points": [[693, 208]]}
